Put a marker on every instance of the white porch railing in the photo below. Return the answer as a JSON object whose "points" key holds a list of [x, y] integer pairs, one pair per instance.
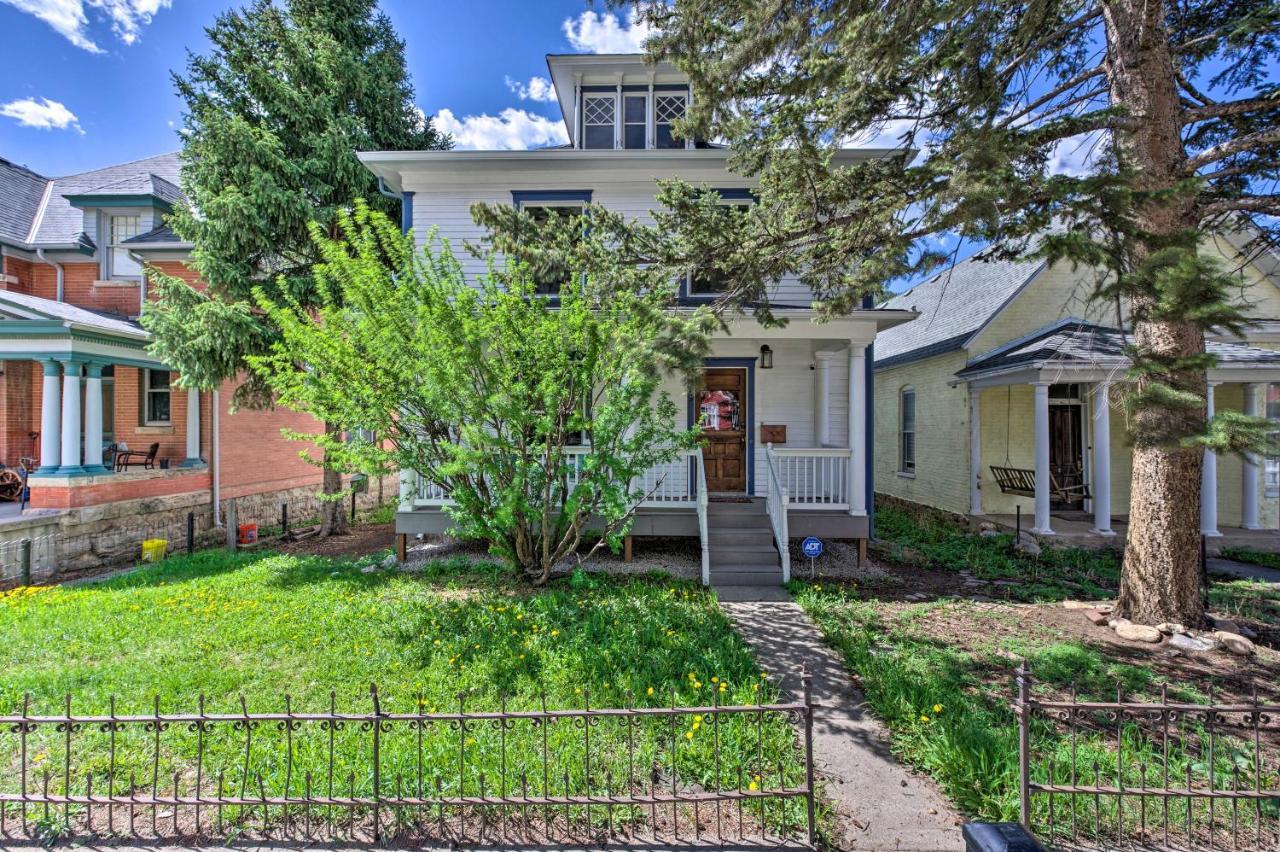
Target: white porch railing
{"points": [[669, 485], [702, 518], [814, 477], [776, 504]]}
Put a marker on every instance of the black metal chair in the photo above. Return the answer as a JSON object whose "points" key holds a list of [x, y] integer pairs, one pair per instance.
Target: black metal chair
{"points": [[134, 458]]}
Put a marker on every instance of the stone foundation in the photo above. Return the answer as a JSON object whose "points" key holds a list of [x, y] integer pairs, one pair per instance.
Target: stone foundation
{"points": [[111, 534]]}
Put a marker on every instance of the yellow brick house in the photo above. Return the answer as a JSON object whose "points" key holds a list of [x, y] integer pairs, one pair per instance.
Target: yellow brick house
{"points": [[1002, 397]]}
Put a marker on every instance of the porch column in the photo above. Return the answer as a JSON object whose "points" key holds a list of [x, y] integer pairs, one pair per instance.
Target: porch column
{"points": [[70, 418], [1209, 478], [857, 429], [1249, 469], [193, 430], [1102, 459], [975, 452], [1042, 459], [93, 418], [50, 417], [822, 398]]}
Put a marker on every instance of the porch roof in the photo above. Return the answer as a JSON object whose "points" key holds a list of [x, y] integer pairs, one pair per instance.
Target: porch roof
{"points": [[32, 328], [1072, 350]]}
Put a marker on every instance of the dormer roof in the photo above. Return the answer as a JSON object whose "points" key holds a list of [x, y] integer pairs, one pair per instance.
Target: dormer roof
{"points": [[605, 69]]}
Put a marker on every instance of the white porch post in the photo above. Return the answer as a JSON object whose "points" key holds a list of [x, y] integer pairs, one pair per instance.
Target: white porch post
{"points": [[193, 430], [1209, 479], [50, 417], [1042, 459], [93, 418], [1102, 459], [975, 452], [71, 418], [857, 429], [822, 394], [1249, 469]]}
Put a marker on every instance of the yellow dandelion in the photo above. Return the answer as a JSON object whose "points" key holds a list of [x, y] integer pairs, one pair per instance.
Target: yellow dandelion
{"points": [[924, 718], [555, 632], [649, 691], [937, 708], [753, 786], [688, 735]]}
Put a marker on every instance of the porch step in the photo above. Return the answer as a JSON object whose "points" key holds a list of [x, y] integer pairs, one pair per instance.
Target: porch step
{"points": [[718, 509], [741, 537], [745, 555], [725, 577]]}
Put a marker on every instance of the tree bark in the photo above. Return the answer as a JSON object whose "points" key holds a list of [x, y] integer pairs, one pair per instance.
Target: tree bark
{"points": [[333, 516], [1160, 577]]}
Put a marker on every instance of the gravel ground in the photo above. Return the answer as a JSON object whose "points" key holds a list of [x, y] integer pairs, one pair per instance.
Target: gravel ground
{"points": [[839, 561]]}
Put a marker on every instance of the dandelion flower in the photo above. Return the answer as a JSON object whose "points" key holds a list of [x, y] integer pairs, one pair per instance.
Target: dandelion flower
{"points": [[649, 691], [688, 735], [937, 708], [753, 786], [924, 718]]}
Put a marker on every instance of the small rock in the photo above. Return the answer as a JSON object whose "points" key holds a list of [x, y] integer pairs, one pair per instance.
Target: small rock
{"points": [[1226, 625], [1247, 633], [1170, 627], [1029, 547], [989, 533], [987, 526], [1096, 616], [1186, 642], [390, 561], [369, 569], [1235, 643], [1126, 629]]}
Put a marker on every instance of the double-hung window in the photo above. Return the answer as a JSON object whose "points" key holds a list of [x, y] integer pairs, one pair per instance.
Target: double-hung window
{"points": [[598, 117], [711, 282], [123, 228], [156, 398], [635, 121], [549, 277], [907, 431]]}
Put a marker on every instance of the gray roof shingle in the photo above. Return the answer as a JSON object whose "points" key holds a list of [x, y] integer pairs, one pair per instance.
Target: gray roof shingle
{"points": [[953, 305], [159, 234], [20, 193], [62, 223], [68, 312], [1077, 344]]}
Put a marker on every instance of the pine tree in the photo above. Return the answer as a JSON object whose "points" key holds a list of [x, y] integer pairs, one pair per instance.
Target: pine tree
{"points": [[275, 111], [1178, 101]]}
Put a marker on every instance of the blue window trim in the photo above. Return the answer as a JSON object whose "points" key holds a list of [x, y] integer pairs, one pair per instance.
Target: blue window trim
{"points": [[633, 88], [520, 197], [749, 365], [684, 297]]}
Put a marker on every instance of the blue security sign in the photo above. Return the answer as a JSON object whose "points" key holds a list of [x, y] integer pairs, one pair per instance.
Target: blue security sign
{"points": [[812, 547]]}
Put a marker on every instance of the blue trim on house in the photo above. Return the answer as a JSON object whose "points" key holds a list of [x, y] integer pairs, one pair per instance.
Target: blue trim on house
{"points": [[406, 211], [523, 196], [868, 303], [749, 365], [632, 88]]}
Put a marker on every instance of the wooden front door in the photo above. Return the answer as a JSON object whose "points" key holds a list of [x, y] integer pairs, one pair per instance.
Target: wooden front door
{"points": [[1066, 450], [721, 409]]}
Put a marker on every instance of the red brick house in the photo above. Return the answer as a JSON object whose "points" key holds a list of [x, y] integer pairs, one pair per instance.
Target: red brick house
{"points": [[79, 389]]}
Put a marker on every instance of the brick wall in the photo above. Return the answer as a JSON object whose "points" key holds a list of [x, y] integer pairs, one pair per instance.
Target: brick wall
{"points": [[256, 457]]}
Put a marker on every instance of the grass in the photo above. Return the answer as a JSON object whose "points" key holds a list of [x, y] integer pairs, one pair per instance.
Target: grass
{"points": [[1256, 599], [939, 674], [263, 625], [1055, 574], [1253, 557]]}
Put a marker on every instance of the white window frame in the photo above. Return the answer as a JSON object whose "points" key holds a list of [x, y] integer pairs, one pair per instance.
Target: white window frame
{"points": [[148, 391], [612, 98], [623, 124], [907, 466], [573, 203], [118, 253]]}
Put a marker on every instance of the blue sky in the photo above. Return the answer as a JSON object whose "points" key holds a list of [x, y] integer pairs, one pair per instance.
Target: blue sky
{"points": [[86, 82]]}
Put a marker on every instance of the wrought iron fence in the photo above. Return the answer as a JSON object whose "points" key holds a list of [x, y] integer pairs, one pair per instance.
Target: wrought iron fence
{"points": [[526, 776], [1148, 775]]}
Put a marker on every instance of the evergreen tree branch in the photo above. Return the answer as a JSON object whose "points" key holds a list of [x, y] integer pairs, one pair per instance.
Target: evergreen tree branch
{"points": [[1229, 108], [1240, 144], [1268, 204]]}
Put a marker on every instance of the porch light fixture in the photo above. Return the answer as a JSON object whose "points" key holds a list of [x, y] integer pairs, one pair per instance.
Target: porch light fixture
{"points": [[766, 357]]}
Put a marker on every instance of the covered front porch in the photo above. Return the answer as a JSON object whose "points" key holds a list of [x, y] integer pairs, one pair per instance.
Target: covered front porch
{"points": [[1042, 442], [784, 417], [88, 411]]}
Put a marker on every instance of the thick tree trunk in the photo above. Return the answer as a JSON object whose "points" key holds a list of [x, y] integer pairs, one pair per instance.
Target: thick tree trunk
{"points": [[1160, 578], [333, 515]]}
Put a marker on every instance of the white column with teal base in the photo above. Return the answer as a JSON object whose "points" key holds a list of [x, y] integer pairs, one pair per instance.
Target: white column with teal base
{"points": [[70, 419], [1042, 459], [50, 418], [193, 430], [93, 419], [1102, 459]]}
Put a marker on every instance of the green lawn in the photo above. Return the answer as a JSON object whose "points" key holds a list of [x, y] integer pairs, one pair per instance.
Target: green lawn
{"points": [[1254, 557], [263, 625]]}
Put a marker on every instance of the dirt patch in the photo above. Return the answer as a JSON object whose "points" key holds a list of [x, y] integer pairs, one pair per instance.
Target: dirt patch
{"points": [[363, 539]]}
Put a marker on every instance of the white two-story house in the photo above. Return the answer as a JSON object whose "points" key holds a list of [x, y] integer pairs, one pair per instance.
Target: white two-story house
{"points": [[785, 411]]}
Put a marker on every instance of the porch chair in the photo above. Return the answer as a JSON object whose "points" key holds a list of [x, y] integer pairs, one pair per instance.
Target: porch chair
{"points": [[134, 458]]}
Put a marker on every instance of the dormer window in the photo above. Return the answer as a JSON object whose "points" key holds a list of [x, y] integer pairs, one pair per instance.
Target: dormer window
{"points": [[598, 117], [666, 109], [124, 228]]}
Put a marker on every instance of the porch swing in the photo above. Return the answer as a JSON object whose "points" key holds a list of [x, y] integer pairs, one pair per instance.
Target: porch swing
{"points": [[1021, 481]]}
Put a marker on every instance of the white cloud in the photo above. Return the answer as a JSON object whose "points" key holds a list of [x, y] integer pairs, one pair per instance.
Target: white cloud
{"points": [[537, 89], [1074, 157], [70, 19], [602, 32], [510, 130], [42, 114]]}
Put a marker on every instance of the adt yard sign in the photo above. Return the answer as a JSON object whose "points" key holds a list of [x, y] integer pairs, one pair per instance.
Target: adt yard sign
{"points": [[812, 547]]}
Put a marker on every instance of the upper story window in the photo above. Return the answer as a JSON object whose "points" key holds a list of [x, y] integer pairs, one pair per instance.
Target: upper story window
{"points": [[635, 121], [121, 264], [713, 282], [598, 117], [549, 280], [156, 397], [666, 109]]}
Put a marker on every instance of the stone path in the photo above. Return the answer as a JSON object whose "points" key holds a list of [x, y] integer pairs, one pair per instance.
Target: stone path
{"points": [[1243, 570], [881, 805]]}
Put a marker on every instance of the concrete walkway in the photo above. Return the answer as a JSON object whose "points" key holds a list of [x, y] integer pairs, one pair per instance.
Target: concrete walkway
{"points": [[880, 804], [1243, 570]]}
